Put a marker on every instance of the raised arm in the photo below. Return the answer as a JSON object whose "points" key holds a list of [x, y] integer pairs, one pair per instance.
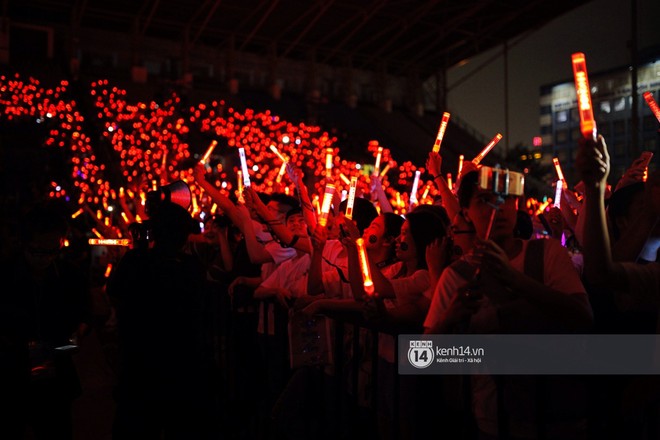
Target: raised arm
{"points": [[256, 251], [296, 175], [593, 163], [224, 203], [449, 199], [378, 193], [277, 226]]}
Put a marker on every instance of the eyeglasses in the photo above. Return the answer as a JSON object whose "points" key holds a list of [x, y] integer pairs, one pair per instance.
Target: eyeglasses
{"points": [[455, 231]]}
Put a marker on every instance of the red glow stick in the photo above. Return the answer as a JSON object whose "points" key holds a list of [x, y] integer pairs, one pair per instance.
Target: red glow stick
{"points": [[385, 170], [648, 97], [542, 207], [208, 152], [109, 242], [239, 178], [460, 166], [450, 184], [351, 198], [274, 149], [327, 202], [379, 156], [367, 282], [587, 122], [487, 149], [426, 191], [441, 132], [278, 179], [560, 175], [328, 161]]}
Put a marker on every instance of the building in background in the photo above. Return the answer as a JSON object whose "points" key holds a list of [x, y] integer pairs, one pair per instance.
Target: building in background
{"points": [[612, 101]]}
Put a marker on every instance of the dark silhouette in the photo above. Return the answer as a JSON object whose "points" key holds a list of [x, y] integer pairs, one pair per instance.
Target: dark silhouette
{"points": [[165, 367]]}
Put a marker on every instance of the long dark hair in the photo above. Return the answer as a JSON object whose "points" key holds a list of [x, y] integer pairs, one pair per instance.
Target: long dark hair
{"points": [[425, 227]]}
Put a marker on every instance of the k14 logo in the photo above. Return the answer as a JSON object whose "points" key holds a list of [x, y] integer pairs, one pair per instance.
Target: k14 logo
{"points": [[420, 353]]}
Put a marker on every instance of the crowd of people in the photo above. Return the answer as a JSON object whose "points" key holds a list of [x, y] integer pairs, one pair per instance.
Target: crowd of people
{"points": [[259, 325]]}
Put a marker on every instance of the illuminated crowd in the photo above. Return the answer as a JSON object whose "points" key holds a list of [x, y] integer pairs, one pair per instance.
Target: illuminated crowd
{"points": [[256, 281]]}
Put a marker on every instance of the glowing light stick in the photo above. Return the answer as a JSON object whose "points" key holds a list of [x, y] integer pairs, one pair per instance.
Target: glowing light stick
{"points": [[487, 149], [413, 192], [108, 270], [97, 233], [351, 198], [209, 150], [367, 282], [648, 96], [560, 174], [77, 213], [239, 178], [460, 166], [449, 182], [379, 156], [385, 170], [125, 217], [542, 207], [328, 162], [587, 122], [244, 167], [558, 190], [426, 192], [327, 202], [278, 179], [441, 132], [195, 206], [344, 178], [109, 242], [274, 149]]}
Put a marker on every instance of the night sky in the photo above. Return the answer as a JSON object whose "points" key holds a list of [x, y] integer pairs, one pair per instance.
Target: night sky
{"points": [[600, 29]]}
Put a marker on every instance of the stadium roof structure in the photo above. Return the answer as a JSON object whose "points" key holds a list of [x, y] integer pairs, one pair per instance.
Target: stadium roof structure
{"points": [[400, 36]]}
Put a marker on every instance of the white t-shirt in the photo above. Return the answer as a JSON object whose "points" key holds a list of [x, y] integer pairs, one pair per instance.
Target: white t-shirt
{"points": [[407, 289], [290, 274]]}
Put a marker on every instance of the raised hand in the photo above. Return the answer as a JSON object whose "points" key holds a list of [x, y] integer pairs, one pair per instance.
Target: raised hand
{"points": [[634, 173], [319, 238], [434, 164], [593, 162]]}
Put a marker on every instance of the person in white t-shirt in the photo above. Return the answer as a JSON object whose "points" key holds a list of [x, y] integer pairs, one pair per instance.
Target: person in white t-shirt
{"points": [[505, 299]]}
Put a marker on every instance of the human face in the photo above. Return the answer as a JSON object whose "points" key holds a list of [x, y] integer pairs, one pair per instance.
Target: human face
{"points": [[462, 235], [296, 224], [278, 209], [481, 208], [405, 245], [373, 234]]}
